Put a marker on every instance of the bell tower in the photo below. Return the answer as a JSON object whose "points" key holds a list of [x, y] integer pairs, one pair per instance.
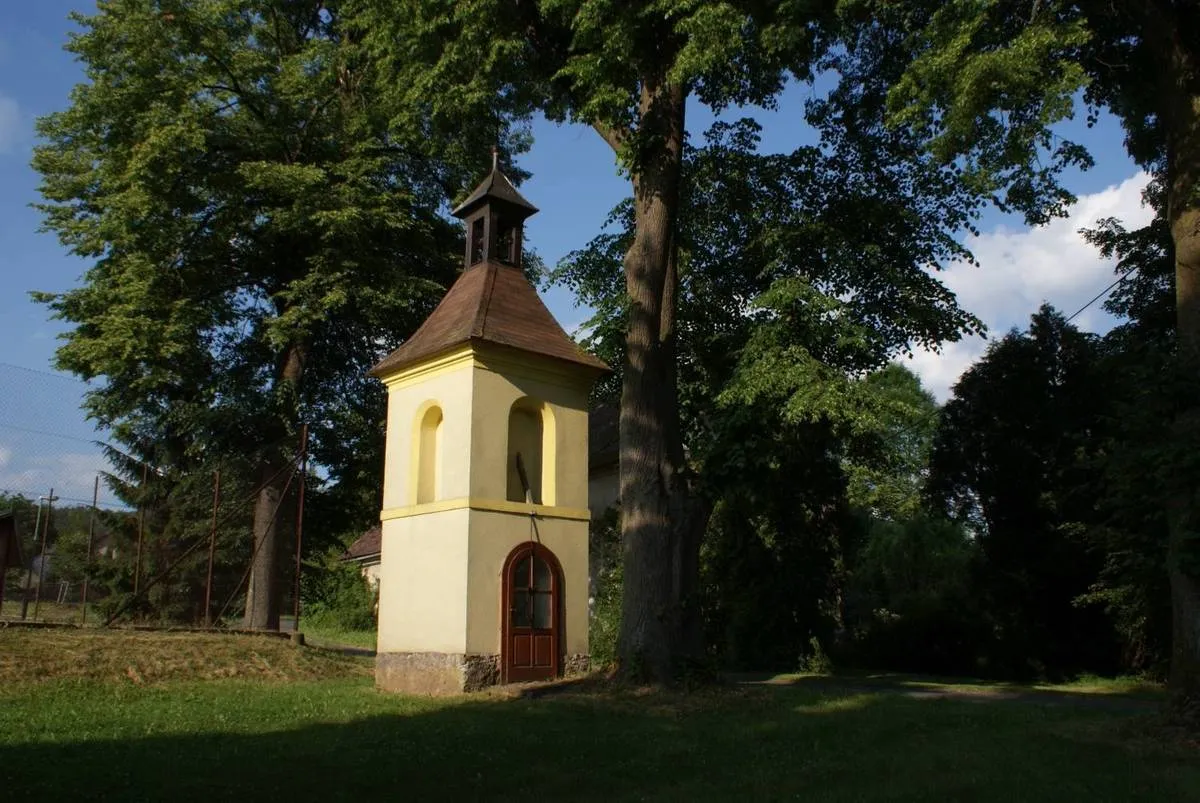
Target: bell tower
{"points": [[484, 554]]}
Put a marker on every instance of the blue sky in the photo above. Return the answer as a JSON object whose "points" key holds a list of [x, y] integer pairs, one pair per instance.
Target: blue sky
{"points": [[575, 183]]}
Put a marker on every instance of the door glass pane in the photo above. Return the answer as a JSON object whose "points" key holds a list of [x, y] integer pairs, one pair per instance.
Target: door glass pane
{"points": [[520, 573], [541, 575], [520, 609], [541, 611]]}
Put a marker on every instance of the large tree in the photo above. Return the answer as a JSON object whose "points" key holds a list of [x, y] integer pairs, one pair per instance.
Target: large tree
{"points": [[258, 236], [992, 78], [629, 70], [1016, 457]]}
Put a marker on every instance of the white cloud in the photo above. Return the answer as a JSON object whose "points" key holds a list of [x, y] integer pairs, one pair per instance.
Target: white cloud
{"points": [[70, 474], [1020, 269], [10, 123]]}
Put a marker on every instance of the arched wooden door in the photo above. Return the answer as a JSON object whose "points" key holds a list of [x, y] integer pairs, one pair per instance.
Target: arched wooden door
{"points": [[532, 628]]}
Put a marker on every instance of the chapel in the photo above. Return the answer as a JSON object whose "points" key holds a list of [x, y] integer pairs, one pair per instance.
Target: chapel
{"points": [[483, 542]]}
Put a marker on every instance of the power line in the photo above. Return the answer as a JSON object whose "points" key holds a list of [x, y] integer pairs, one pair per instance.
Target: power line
{"points": [[56, 375], [1101, 294], [92, 441]]}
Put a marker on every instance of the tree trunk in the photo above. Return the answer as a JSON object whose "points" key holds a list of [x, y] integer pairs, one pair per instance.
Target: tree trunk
{"points": [[660, 541], [1180, 97], [264, 594]]}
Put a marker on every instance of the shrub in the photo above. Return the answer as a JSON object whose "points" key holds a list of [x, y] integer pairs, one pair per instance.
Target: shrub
{"points": [[338, 596]]}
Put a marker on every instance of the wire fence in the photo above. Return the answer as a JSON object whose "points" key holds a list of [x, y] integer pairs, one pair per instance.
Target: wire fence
{"points": [[104, 536]]}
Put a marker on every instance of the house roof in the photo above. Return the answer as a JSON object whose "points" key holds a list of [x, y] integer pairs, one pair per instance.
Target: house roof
{"points": [[366, 545], [495, 187], [490, 303], [10, 556]]}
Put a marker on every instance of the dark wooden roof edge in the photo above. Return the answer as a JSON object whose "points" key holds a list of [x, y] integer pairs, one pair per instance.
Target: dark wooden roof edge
{"points": [[498, 187], [493, 303]]}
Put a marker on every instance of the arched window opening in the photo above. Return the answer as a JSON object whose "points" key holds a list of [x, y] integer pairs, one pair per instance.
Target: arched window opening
{"points": [[525, 436], [429, 456]]}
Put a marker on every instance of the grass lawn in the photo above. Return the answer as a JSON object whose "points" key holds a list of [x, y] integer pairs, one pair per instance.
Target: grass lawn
{"points": [[322, 634], [313, 728]]}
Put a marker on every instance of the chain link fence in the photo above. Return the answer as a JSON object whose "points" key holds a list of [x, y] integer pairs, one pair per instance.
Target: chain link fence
{"points": [[105, 536]]}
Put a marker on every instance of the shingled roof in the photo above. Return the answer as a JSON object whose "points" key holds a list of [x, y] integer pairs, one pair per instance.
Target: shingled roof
{"points": [[490, 303], [366, 546], [495, 187]]}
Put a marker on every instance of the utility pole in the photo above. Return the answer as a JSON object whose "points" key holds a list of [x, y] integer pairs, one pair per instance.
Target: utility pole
{"points": [[300, 524], [45, 533], [141, 526], [87, 564], [212, 549]]}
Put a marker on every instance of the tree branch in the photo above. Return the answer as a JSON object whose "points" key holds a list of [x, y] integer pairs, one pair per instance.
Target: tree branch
{"points": [[615, 137]]}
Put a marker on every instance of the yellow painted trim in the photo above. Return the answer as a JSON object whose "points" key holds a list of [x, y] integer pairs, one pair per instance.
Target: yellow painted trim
{"points": [[534, 366], [490, 505], [497, 360], [549, 456], [523, 508], [444, 364]]}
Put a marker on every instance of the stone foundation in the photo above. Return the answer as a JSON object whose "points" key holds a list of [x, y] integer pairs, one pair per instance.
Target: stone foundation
{"points": [[435, 673], [576, 665]]}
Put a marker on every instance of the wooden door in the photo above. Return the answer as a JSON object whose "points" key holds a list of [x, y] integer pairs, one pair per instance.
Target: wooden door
{"points": [[532, 605]]}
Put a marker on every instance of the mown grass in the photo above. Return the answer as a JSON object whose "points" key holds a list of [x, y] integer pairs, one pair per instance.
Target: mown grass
{"points": [[36, 656], [110, 738], [322, 633]]}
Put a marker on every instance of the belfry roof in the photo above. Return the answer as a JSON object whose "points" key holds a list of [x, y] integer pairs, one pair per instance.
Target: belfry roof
{"points": [[495, 187], [490, 303]]}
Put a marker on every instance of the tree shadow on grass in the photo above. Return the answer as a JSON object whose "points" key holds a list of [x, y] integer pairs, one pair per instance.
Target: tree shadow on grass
{"points": [[760, 744]]}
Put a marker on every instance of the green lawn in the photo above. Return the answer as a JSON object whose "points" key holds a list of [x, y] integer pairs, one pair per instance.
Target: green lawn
{"points": [[289, 724], [324, 634]]}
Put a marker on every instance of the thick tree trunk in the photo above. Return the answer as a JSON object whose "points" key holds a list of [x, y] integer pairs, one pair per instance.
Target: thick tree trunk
{"points": [[660, 538], [1180, 95], [1183, 549], [264, 594]]}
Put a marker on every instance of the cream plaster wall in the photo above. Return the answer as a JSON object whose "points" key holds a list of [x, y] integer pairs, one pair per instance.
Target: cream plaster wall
{"points": [[495, 392], [493, 536], [451, 390], [439, 577], [423, 583]]}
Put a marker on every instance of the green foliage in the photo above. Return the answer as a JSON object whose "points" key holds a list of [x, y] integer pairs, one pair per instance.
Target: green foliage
{"points": [[336, 595], [910, 601], [816, 661], [604, 623], [258, 234], [1015, 461], [886, 474], [987, 82]]}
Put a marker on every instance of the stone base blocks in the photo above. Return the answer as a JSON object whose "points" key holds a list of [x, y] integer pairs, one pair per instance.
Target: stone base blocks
{"points": [[435, 673]]}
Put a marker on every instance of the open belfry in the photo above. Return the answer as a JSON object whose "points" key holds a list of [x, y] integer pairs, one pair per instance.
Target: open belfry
{"points": [[484, 556]]}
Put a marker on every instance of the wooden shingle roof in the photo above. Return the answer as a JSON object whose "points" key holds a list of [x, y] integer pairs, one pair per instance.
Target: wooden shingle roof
{"points": [[490, 303], [496, 187], [366, 546]]}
